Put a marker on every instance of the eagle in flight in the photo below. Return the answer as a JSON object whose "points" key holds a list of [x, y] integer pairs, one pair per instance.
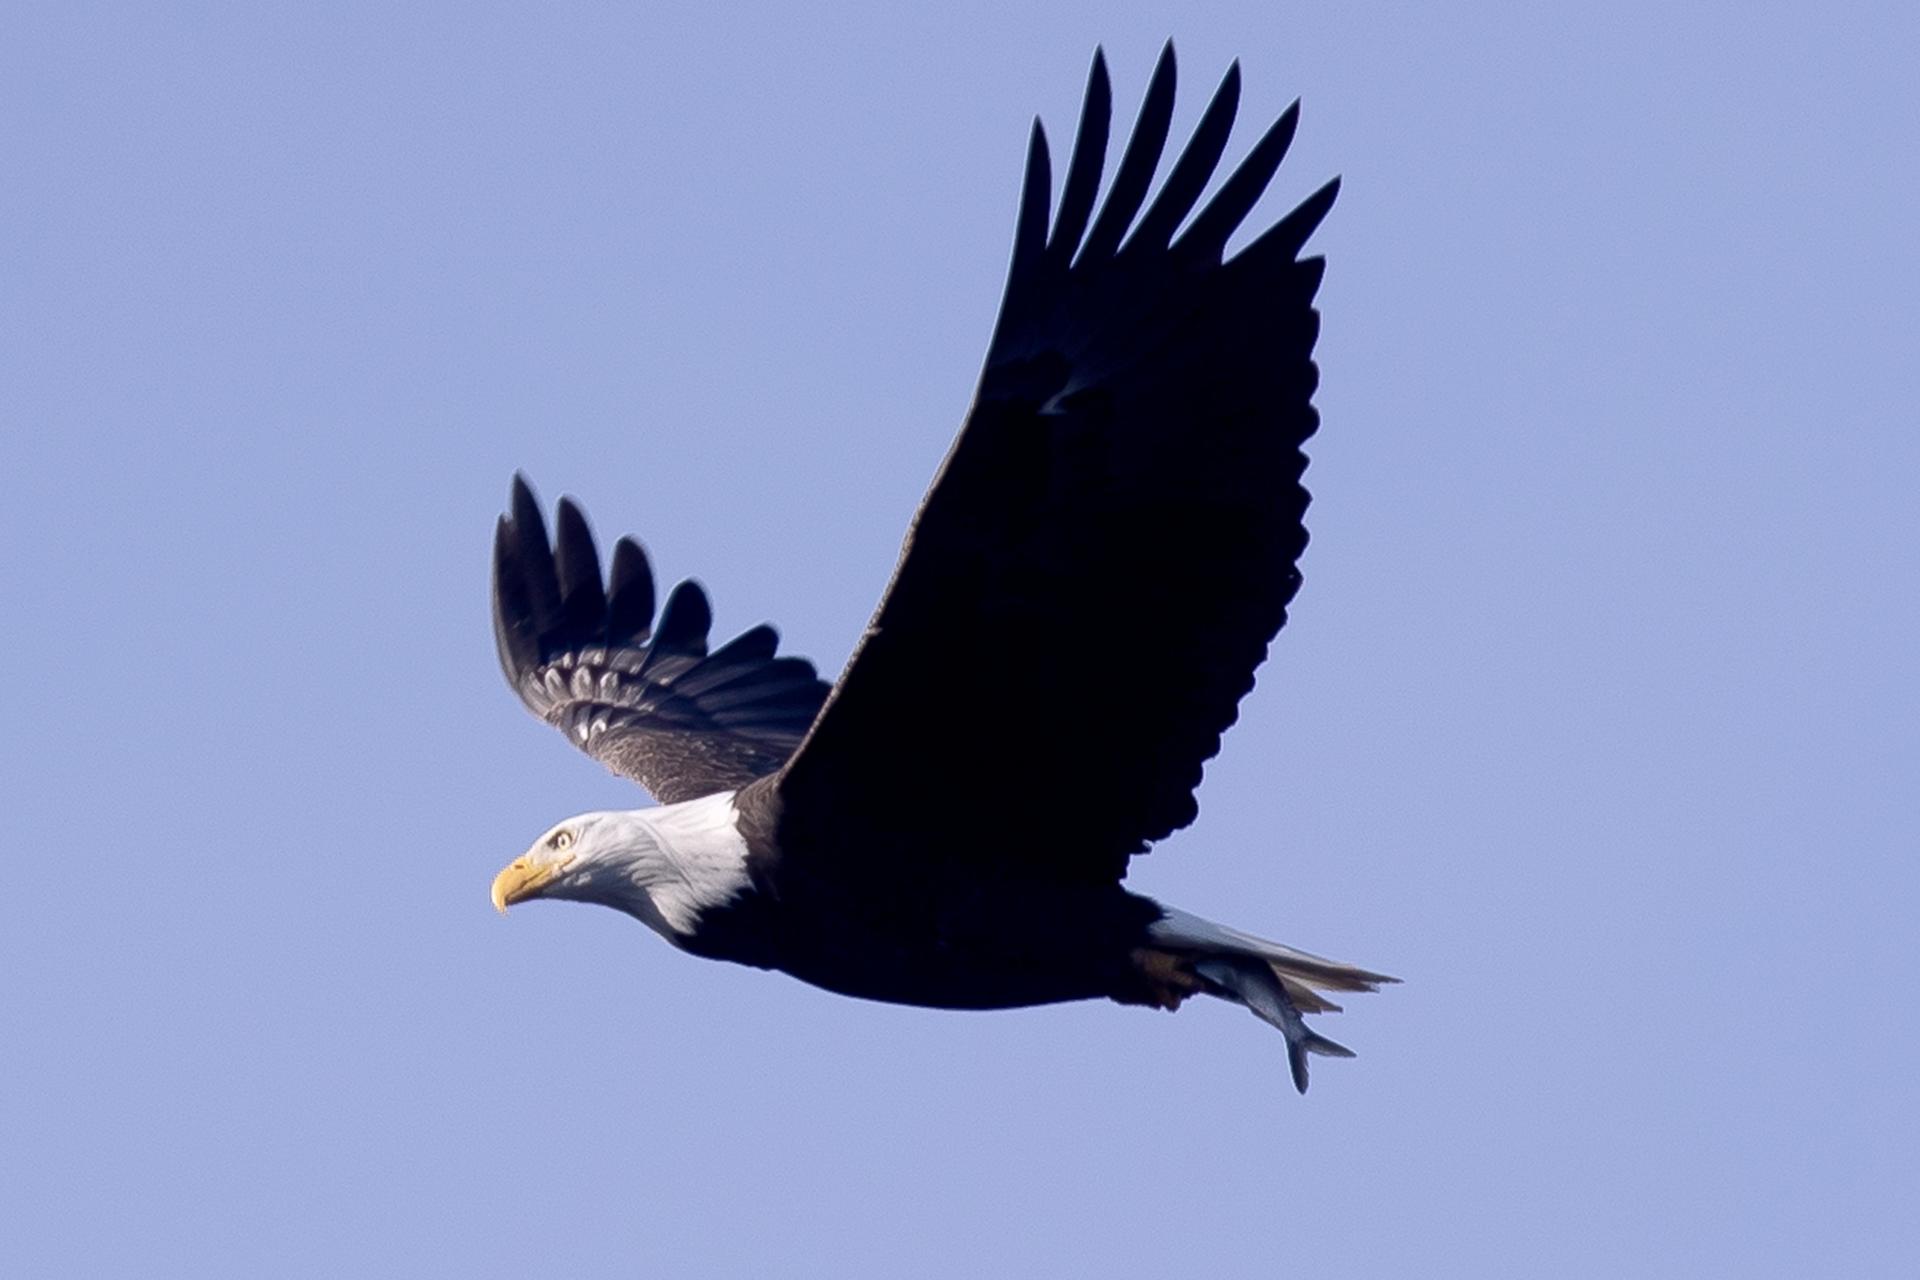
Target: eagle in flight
{"points": [[1079, 607]]}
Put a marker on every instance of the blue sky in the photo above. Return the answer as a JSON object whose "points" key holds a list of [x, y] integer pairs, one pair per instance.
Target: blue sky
{"points": [[1596, 720]]}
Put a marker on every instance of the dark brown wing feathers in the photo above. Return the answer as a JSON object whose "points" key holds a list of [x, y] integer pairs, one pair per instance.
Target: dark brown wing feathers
{"points": [[1112, 541], [647, 701]]}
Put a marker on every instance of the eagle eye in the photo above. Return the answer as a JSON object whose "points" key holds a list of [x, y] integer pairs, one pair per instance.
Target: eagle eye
{"points": [[560, 840]]}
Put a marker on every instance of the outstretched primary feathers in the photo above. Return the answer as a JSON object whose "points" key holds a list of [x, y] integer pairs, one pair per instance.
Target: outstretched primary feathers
{"points": [[1083, 598]]}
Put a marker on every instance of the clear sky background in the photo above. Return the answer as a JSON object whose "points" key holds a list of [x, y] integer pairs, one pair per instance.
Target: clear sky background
{"points": [[1596, 722]]}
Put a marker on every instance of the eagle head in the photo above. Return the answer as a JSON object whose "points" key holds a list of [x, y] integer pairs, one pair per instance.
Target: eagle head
{"points": [[588, 858], [664, 866]]}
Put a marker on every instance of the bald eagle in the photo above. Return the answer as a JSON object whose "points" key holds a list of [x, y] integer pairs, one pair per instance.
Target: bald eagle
{"points": [[1080, 605]]}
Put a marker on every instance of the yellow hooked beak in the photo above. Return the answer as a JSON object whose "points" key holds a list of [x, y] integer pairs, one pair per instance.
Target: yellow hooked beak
{"points": [[524, 878]]}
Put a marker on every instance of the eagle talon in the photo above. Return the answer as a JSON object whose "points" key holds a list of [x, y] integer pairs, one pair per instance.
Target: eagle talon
{"points": [[1168, 979]]}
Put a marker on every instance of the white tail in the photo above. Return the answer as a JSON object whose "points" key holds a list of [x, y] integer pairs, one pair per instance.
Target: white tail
{"points": [[1277, 982]]}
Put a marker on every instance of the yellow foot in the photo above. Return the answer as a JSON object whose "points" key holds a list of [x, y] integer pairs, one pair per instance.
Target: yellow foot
{"points": [[1165, 978]]}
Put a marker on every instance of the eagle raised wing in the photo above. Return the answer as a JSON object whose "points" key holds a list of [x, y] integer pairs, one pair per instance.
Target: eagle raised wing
{"points": [[1112, 541], [648, 701]]}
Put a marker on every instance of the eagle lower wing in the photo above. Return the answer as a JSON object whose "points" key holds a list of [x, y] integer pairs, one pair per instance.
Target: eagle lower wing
{"points": [[647, 701], [1112, 541]]}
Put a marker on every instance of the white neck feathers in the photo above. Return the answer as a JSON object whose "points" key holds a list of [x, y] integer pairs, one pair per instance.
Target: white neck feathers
{"points": [[675, 862]]}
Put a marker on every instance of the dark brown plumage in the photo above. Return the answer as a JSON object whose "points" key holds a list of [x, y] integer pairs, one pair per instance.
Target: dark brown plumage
{"points": [[1100, 563]]}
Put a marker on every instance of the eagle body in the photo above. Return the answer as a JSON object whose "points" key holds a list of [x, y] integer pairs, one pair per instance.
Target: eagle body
{"points": [[706, 875], [1084, 595], [931, 935], [996, 947]]}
